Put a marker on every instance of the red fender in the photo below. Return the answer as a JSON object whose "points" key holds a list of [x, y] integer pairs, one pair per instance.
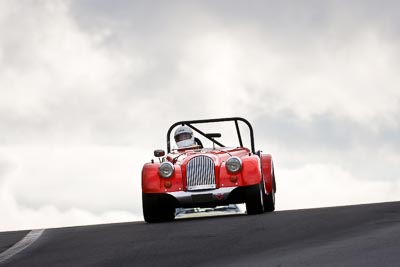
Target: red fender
{"points": [[153, 183], [267, 169], [251, 170]]}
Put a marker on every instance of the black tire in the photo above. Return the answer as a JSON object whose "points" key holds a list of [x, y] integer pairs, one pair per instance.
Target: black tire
{"points": [[254, 199], [151, 209], [155, 210], [269, 202], [167, 213]]}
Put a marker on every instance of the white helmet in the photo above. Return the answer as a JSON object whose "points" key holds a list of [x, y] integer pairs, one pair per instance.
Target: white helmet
{"points": [[184, 137]]}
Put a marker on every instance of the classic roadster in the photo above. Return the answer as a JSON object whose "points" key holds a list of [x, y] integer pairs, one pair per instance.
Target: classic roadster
{"points": [[217, 175]]}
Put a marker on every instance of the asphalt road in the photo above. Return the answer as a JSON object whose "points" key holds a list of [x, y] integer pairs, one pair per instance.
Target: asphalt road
{"points": [[7, 239], [362, 235]]}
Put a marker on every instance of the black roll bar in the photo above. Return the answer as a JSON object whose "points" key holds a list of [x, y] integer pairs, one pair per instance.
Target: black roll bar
{"points": [[235, 119]]}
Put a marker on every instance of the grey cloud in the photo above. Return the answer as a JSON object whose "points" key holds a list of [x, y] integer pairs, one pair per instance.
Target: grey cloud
{"points": [[326, 132], [330, 140], [157, 31], [292, 19], [323, 131]]}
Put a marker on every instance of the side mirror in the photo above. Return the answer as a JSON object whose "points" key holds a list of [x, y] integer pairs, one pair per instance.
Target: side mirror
{"points": [[159, 153]]}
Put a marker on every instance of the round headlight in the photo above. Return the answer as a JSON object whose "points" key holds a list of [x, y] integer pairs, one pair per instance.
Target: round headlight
{"points": [[166, 169], [234, 164]]}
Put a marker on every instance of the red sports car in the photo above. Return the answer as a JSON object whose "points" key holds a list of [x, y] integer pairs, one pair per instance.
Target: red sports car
{"points": [[196, 176]]}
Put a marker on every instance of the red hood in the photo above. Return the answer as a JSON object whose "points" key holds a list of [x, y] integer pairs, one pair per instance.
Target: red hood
{"points": [[219, 155]]}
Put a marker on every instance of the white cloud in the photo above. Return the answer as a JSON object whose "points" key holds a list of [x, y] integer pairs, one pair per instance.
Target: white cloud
{"points": [[85, 176], [69, 186], [54, 75], [209, 70], [353, 79], [349, 76], [18, 217], [323, 185]]}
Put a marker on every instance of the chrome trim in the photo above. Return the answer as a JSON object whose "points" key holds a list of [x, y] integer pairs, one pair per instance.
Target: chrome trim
{"points": [[171, 171], [240, 163], [200, 173], [187, 198]]}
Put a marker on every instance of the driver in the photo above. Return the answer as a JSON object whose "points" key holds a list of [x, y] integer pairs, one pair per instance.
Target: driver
{"points": [[184, 137]]}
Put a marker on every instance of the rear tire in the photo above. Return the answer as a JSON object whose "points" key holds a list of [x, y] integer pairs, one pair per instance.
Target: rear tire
{"points": [[269, 202], [254, 199], [155, 210]]}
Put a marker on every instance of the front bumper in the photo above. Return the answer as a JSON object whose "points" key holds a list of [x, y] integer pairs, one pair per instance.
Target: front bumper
{"points": [[203, 198]]}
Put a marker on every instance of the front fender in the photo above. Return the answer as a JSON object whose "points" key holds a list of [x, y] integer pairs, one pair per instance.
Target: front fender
{"points": [[251, 171], [249, 175], [150, 178], [153, 183]]}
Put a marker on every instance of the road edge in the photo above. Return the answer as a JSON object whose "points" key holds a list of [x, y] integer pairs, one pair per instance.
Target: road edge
{"points": [[25, 242]]}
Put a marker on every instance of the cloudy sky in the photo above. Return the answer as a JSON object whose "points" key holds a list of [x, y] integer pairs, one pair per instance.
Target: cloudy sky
{"points": [[89, 88]]}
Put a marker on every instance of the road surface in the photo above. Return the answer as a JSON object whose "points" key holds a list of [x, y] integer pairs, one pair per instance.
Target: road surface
{"points": [[360, 235]]}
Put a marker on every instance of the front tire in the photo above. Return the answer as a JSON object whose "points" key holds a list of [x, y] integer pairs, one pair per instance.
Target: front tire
{"points": [[254, 199], [156, 210]]}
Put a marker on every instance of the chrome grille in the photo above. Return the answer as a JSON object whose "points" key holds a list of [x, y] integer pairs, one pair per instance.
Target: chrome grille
{"points": [[200, 173]]}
